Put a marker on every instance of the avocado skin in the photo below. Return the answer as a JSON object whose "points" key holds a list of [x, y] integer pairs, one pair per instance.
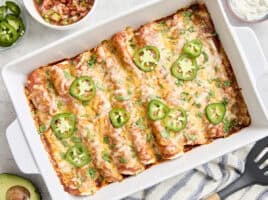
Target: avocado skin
{"points": [[9, 180]]}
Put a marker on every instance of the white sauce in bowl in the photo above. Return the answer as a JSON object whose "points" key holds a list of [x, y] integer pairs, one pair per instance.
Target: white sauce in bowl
{"points": [[250, 9]]}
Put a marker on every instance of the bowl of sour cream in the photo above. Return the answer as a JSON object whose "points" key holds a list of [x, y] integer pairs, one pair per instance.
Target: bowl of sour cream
{"points": [[249, 10]]}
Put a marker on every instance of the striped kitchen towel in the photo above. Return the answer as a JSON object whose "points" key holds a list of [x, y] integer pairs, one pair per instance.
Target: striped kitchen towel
{"points": [[206, 179]]}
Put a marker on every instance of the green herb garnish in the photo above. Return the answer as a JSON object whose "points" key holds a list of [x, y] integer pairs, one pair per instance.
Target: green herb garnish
{"points": [[92, 60]]}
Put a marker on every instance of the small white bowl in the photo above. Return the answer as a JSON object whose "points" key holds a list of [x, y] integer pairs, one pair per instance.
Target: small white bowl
{"points": [[240, 18], [30, 6]]}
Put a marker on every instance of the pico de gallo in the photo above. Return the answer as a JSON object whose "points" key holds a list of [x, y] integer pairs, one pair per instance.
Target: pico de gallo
{"points": [[63, 12]]}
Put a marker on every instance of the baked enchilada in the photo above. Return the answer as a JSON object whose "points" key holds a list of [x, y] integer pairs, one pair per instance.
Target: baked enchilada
{"points": [[142, 97]]}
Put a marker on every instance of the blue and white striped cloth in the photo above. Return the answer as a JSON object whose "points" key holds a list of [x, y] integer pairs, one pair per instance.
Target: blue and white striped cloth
{"points": [[204, 180]]}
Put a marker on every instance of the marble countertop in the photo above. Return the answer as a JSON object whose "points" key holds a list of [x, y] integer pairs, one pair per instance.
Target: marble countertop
{"points": [[38, 36]]}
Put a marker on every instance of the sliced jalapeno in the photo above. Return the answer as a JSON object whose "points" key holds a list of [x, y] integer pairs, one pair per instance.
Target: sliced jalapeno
{"points": [[83, 88], [13, 7], [157, 110], [118, 117], [146, 58], [215, 112], [78, 155], [16, 23], [175, 120], [3, 11], [8, 35], [63, 125], [193, 48], [184, 68]]}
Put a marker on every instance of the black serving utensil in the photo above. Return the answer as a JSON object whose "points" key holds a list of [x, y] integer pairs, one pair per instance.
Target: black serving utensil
{"points": [[256, 171]]}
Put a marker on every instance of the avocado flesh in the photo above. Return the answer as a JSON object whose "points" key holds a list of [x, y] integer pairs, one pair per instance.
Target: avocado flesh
{"points": [[8, 181]]}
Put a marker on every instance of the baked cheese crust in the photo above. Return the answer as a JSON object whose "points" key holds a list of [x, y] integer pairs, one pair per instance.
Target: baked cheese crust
{"points": [[117, 152]]}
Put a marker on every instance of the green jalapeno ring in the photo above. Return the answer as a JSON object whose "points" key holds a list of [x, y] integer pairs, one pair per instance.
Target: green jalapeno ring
{"points": [[63, 125], [8, 35], [184, 68], [215, 112], [83, 88], [193, 48], [157, 110], [146, 58], [118, 117], [3, 11], [16, 23], [78, 155], [175, 120], [13, 7]]}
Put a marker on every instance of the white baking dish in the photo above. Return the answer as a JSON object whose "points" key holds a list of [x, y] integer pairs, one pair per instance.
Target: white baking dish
{"points": [[252, 80]]}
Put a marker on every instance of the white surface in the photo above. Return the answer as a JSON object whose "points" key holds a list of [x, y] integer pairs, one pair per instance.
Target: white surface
{"points": [[37, 37]]}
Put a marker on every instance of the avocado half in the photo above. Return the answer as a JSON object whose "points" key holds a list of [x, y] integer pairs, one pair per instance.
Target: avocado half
{"points": [[13, 187]]}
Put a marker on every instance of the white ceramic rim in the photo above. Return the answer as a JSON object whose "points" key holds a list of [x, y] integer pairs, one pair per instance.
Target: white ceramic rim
{"points": [[30, 7]]}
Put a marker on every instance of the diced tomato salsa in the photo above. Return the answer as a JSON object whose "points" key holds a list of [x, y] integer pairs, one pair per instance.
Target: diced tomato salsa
{"points": [[63, 12]]}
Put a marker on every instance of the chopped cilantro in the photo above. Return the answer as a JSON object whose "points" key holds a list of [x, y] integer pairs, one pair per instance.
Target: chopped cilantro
{"points": [[190, 137], [149, 137], [50, 84], [140, 124], [179, 82], [122, 160], [214, 34], [64, 143], [228, 124], [205, 55], [139, 102], [132, 43], [76, 139], [42, 128], [99, 86], [191, 29], [159, 157], [187, 16], [129, 91], [121, 98], [217, 82], [100, 178], [211, 94], [92, 172], [47, 73], [226, 83], [161, 85], [67, 75], [106, 139], [216, 68], [199, 114], [106, 156], [85, 115], [182, 31], [165, 134], [92, 60], [225, 101], [85, 103], [59, 104], [198, 105], [185, 96], [88, 133]]}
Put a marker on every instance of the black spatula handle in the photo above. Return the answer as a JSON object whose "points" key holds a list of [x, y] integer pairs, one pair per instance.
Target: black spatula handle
{"points": [[244, 181]]}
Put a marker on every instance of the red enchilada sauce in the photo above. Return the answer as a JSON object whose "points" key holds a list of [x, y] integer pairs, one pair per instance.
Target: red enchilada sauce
{"points": [[63, 12]]}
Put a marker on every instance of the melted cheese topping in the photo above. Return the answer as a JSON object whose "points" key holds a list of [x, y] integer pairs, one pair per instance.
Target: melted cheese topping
{"points": [[128, 150]]}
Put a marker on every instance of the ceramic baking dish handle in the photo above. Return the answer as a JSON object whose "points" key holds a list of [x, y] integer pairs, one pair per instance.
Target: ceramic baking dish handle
{"points": [[256, 60], [20, 150]]}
